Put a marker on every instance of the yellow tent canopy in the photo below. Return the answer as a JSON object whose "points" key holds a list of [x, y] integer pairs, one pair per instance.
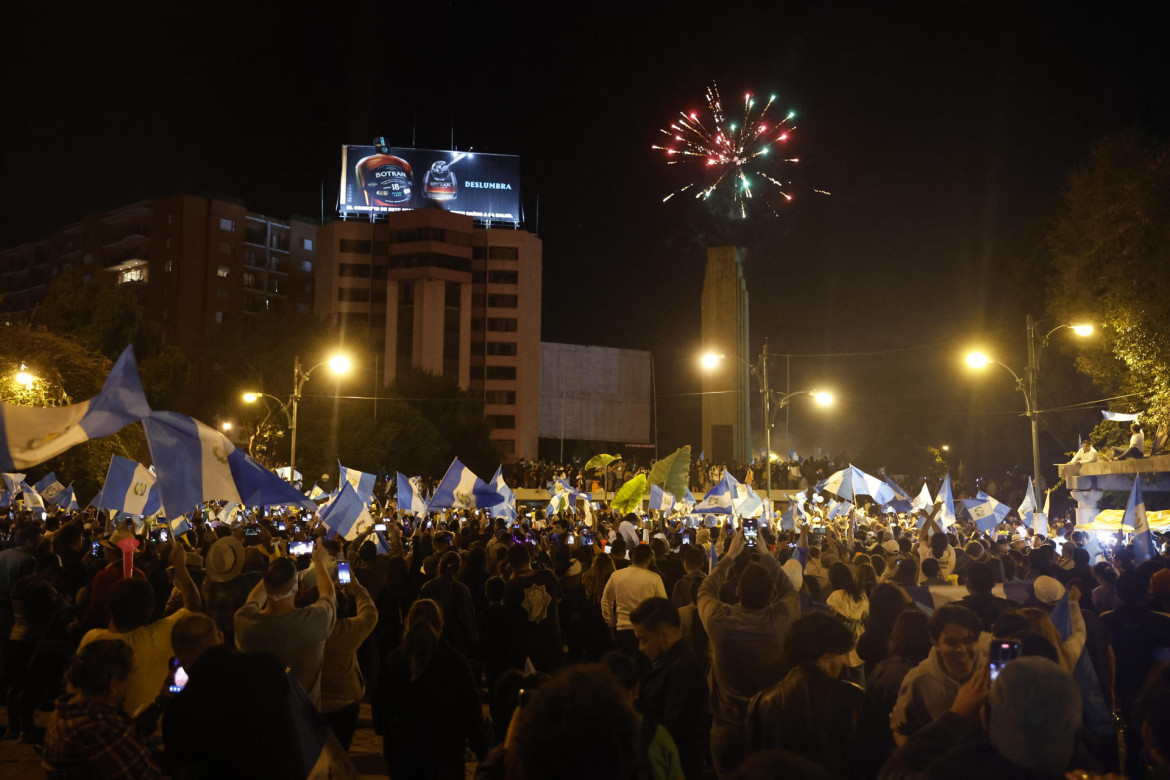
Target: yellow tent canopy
{"points": [[1110, 520]]}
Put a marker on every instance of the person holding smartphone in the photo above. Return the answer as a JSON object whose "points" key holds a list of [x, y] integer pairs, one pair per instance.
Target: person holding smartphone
{"points": [[342, 684], [270, 621]]}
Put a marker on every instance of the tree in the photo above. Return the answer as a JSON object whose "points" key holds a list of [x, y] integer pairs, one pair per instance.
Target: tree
{"points": [[66, 373], [1109, 248]]}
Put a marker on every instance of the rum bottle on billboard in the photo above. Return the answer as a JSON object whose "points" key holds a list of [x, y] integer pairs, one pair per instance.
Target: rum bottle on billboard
{"points": [[385, 180]]}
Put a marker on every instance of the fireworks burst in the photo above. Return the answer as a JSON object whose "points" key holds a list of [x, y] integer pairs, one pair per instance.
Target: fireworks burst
{"points": [[734, 152]]}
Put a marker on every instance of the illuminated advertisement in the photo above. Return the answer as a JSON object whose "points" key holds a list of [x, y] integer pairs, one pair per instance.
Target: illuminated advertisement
{"points": [[379, 179]]}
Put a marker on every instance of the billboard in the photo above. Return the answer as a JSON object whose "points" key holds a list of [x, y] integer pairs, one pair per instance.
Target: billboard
{"points": [[594, 393], [379, 179]]}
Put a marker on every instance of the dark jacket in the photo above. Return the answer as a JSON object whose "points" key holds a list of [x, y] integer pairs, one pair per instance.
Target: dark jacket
{"points": [[826, 720], [674, 695]]}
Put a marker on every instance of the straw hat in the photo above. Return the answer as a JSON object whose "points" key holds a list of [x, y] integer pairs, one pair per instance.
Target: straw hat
{"points": [[224, 560]]}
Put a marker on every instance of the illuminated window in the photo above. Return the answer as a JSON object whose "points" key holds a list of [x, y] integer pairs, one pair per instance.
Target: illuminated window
{"points": [[308, 244], [227, 224], [219, 317], [224, 272], [307, 266], [169, 266], [132, 275]]}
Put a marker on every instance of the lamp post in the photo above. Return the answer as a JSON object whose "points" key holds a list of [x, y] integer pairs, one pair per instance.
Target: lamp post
{"points": [[1029, 384], [338, 364], [760, 370]]}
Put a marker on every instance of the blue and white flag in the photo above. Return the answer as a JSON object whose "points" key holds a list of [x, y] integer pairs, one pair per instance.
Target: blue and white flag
{"points": [[197, 463], [901, 501], [718, 498], [661, 500], [382, 543], [985, 511], [1040, 519], [506, 509], [343, 514], [687, 504], [752, 504], [178, 525], [130, 488], [788, 519], [49, 487], [315, 492], [363, 483], [1028, 506], [851, 482], [288, 474], [1120, 416], [12, 482], [922, 502], [30, 435], [840, 508], [792, 456], [946, 516], [410, 499], [32, 499], [66, 500], [1135, 516], [461, 489]]}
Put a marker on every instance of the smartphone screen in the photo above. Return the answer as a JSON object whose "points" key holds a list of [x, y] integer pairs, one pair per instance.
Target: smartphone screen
{"points": [[751, 531], [163, 536], [97, 549], [379, 526], [300, 548], [178, 676], [343, 572], [572, 539], [1002, 651], [608, 549]]}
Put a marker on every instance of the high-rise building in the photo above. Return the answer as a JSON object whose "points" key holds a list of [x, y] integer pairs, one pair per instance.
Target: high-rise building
{"points": [[726, 404], [436, 292], [197, 264]]}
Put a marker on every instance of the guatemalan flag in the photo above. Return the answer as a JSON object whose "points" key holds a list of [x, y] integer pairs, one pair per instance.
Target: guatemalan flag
{"points": [[196, 463], [985, 511], [30, 435], [718, 498], [1028, 506], [1135, 516], [946, 515], [1040, 519], [660, 499], [343, 515], [66, 500], [32, 499], [461, 489], [130, 488], [506, 509], [752, 504], [564, 498], [49, 488], [410, 500], [363, 483]]}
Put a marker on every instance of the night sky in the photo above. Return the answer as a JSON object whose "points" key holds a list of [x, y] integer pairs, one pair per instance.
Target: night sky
{"points": [[943, 131]]}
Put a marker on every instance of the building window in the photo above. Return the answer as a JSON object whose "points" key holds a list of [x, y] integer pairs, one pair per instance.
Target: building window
{"points": [[503, 277], [356, 294], [404, 347], [302, 308], [502, 324], [223, 295], [354, 270], [223, 272], [225, 248], [307, 244], [405, 293], [501, 348], [354, 246], [169, 266], [132, 275], [227, 224], [219, 317], [499, 397], [502, 301], [168, 243], [452, 294], [477, 373], [505, 422], [501, 372], [505, 446], [249, 281], [503, 253], [307, 266]]}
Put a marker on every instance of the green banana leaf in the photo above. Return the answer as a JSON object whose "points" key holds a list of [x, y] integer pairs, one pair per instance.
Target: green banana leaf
{"points": [[673, 472], [600, 461], [629, 497]]}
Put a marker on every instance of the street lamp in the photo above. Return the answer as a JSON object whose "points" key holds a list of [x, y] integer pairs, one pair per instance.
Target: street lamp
{"points": [[1030, 382], [338, 364], [225, 426], [24, 378], [760, 369]]}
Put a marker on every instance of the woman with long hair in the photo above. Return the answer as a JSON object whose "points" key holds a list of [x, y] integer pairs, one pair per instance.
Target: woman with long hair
{"points": [[427, 706], [459, 616], [595, 635], [886, 602], [849, 602]]}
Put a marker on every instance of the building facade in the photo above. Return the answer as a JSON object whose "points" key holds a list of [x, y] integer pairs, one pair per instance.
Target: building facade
{"points": [[726, 407], [196, 264], [437, 293]]}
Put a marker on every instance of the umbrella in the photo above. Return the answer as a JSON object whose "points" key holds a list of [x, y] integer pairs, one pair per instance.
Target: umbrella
{"points": [[851, 482]]}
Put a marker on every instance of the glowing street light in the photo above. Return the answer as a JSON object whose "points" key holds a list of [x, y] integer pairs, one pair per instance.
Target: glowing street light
{"points": [[978, 360], [711, 360], [339, 364], [1082, 330], [225, 426], [24, 378], [824, 399]]}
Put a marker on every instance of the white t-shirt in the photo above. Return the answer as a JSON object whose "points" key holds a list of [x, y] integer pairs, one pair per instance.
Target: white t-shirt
{"points": [[946, 564], [152, 657]]}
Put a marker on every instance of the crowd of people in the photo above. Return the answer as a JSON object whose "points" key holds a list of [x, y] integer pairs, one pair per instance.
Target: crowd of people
{"points": [[550, 647]]}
